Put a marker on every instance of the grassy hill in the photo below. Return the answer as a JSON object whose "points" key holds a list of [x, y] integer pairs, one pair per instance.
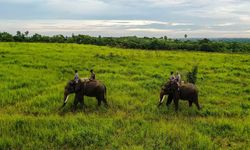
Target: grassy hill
{"points": [[33, 76]]}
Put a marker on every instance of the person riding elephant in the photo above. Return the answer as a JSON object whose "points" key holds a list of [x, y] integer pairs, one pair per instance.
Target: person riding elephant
{"points": [[185, 92], [76, 78], [172, 77], [85, 88], [178, 78], [92, 75]]}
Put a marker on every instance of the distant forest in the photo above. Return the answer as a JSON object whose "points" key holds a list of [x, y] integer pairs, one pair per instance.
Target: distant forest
{"points": [[133, 42]]}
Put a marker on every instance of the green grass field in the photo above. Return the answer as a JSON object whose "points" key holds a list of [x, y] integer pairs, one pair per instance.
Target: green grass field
{"points": [[33, 76]]}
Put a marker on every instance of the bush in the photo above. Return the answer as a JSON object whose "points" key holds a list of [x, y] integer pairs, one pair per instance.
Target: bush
{"points": [[192, 76]]}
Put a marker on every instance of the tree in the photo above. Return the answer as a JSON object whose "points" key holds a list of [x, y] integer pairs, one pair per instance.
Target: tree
{"points": [[26, 33], [192, 75], [58, 38], [185, 36], [18, 33], [134, 42], [6, 37], [19, 37], [36, 38], [206, 47], [205, 40]]}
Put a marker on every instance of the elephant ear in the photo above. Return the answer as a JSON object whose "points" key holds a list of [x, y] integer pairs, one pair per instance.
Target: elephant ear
{"points": [[71, 83], [165, 86], [174, 85]]}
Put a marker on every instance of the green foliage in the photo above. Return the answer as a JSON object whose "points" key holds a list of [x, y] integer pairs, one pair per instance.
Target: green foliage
{"points": [[134, 42], [192, 75], [6, 37], [33, 76]]}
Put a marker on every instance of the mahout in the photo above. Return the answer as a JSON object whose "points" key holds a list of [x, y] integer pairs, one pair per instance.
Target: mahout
{"points": [[175, 92], [85, 87]]}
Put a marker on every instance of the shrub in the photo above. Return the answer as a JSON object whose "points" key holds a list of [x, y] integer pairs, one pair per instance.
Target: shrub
{"points": [[192, 75]]}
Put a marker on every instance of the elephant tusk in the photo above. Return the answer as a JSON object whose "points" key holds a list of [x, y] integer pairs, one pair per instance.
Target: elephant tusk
{"points": [[161, 100], [66, 99]]}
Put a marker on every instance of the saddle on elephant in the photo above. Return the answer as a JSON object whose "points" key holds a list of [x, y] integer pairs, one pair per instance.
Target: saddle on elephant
{"points": [[87, 80]]}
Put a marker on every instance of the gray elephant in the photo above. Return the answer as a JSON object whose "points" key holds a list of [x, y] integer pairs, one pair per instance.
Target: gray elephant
{"points": [[93, 88], [175, 92]]}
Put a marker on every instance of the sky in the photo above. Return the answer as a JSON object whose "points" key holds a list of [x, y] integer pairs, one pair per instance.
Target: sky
{"points": [[152, 18]]}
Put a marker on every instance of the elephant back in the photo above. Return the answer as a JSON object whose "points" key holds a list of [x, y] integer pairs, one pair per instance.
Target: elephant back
{"points": [[188, 87], [92, 86], [95, 88]]}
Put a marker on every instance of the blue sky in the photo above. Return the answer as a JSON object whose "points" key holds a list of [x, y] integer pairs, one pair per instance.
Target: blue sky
{"points": [[173, 18]]}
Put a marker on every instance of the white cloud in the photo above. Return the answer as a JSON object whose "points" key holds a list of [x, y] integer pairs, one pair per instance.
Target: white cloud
{"points": [[155, 30], [225, 24], [119, 28], [78, 25], [181, 24], [128, 16], [245, 19], [76, 6], [163, 3], [20, 1]]}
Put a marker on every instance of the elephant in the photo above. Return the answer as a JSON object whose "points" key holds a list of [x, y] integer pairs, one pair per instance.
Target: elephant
{"points": [[84, 87], [175, 92]]}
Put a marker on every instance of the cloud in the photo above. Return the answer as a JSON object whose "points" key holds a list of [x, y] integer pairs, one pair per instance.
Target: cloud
{"points": [[181, 24], [245, 19], [121, 28], [225, 24], [140, 9], [20, 1], [128, 16], [76, 6], [154, 30], [81, 25]]}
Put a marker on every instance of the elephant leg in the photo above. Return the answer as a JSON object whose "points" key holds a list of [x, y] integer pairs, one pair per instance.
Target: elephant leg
{"points": [[99, 100], [176, 102], [75, 103], [105, 101], [190, 103], [170, 98], [82, 103], [197, 104]]}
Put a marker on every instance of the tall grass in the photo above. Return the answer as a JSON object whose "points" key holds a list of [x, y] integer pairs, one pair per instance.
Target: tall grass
{"points": [[33, 77]]}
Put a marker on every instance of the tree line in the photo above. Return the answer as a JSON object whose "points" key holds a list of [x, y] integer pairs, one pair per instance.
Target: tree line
{"points": [[133, 42]]}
